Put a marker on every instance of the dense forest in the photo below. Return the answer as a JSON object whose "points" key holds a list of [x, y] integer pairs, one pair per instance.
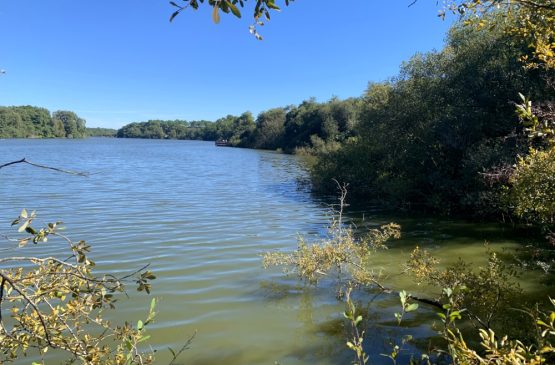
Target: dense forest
{"points": [[443, 135], [35, 122], [308, 125]]}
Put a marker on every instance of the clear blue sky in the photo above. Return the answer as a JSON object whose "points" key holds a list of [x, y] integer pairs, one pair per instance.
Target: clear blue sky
{"points": [[119, 61]]}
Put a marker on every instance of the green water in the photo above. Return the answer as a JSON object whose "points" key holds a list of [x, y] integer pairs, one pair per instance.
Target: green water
{"points": [[202, 216]]}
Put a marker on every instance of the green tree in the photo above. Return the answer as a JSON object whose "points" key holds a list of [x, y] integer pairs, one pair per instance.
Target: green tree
{"points": [[269, 129], [426, 137], [532, 22], [37, 121], [73, 125], [11, 124]]}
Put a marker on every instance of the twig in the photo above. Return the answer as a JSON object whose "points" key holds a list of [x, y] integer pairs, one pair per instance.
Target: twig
{"points": [[2, 295], [183, 348]]}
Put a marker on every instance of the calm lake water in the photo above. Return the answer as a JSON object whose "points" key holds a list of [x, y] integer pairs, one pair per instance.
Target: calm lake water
{"points": [[202, 216]]}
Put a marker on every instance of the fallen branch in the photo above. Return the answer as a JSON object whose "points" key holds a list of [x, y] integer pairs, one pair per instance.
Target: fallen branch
{"points": [[24, 160]]}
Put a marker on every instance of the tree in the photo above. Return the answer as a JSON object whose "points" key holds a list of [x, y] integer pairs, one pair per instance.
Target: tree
{"points": [[426, 137], [269, 129], [11, 124], [532, 21], [73, 125]]}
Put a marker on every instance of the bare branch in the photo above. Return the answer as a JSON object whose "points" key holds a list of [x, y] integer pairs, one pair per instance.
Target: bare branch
{"points": [[24, 160]]}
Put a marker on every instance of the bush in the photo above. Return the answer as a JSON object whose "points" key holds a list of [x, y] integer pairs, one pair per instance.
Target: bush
{"points": [[531, 194]]}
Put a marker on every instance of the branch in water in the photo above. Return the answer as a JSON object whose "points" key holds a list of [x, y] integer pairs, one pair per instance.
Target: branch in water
{"points": [[23, 160]]}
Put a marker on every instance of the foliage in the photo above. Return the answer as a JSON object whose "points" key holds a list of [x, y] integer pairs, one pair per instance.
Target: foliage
{"points": [[502, 350], [232, 128], [311, 126], [355, 344], [484, 293], [262, 9], [340, 253], [56, 304], [101, 132], [176, 129], [532, 21], [532, 184], [426, 137], [538, 121], [270, 129], [34, 122]]}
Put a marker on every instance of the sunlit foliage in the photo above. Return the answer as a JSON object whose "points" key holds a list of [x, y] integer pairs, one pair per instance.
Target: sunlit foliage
{"points": [[530, 21], [261, 9], [34, 122], [50, 303], [532, 184], [426, 137]]}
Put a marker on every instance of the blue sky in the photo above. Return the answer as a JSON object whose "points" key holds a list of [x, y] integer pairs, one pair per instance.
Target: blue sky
{"points": [[119, 61]]}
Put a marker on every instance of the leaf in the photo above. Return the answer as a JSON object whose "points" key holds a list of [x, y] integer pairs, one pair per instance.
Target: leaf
{"points": [[176, 13], [234, 9], [144, 338], [23, 227], [403, 297], [140, 325], [411, 307], [216, 15], [272, 5], [23, 213]]}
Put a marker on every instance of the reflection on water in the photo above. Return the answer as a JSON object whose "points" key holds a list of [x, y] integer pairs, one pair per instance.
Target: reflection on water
{"points": [[202, 216]]}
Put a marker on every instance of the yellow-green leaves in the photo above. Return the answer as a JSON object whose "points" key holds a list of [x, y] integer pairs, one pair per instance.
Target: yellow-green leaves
{"points": [[60, 304], [531, 187], [233, 9]]}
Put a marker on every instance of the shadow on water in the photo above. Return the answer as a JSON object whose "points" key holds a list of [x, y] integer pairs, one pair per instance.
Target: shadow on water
{"points": [[330, 332]]}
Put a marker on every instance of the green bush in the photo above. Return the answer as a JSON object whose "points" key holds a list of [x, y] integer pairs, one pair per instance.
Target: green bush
{"points": [[532, 192]]}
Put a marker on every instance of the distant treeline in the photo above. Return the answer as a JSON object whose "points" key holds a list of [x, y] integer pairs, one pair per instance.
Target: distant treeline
{"points": [[101, 132], [306, 126], [35, 122]]}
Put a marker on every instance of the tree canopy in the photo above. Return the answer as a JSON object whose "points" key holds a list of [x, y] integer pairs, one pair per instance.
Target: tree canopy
{"points": [[35, 122]]}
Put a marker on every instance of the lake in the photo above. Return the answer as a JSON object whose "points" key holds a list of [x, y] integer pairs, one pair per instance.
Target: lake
{"points": [[202, 216]]}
